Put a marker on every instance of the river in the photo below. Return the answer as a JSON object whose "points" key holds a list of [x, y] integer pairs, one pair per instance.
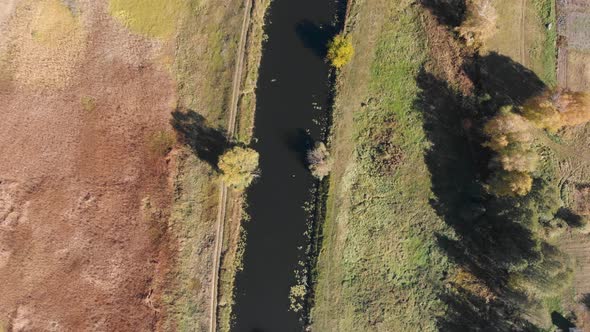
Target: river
{"points": [[293, 98]]}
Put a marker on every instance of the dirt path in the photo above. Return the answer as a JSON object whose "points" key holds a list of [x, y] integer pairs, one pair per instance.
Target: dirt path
{"points": [[522, 32], [223, 191]]}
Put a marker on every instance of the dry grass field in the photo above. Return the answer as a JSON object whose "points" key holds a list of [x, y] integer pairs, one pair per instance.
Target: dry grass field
{"points": [[526, 34], [107, 207]]}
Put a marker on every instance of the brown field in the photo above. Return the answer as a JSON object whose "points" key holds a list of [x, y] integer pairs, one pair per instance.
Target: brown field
{"points": [[102, 227], [81, 193]]}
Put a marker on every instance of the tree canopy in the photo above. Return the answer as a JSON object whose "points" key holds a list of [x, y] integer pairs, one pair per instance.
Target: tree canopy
{"points": [[340, 50], [239, 167]]}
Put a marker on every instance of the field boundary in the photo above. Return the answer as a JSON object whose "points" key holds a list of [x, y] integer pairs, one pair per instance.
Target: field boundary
{"points": [[223, 190]]}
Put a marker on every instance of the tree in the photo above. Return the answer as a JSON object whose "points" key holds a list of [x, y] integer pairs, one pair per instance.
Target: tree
{"points": [[320, 163], [555, 109], [239, 167], [517, 158], [574, 107], [505, 129], [504, 183], [340, 50]]}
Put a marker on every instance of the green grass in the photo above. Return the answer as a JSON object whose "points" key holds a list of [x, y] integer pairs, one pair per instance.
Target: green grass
{"points": [[385, 273], [205, 40], [152, 18], [547, 48]]}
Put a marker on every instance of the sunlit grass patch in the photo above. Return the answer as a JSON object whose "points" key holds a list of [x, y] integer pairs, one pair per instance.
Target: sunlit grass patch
{"points": [[153, 18], [54, 23]]}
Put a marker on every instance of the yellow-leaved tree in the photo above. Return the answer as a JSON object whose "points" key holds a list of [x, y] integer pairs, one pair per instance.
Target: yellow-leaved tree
{"points": [[509, 136], [340, 50], [239, 167], [553, 110], [504, 183]]}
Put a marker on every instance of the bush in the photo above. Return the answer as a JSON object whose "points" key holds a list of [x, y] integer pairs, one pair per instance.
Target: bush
{"points": [[340, 50], [239, 167], [320, 163]]}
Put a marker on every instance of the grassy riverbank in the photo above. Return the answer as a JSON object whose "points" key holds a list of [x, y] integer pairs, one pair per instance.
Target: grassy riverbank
{"points": [[412, 239], [380, 268], [204, 65]]}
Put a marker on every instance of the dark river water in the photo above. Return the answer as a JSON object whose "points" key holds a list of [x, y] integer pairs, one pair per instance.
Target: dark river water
{"points": [[293, 98]]}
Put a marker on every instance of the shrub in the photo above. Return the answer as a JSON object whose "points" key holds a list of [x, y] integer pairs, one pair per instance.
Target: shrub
{"points": [[88, 103], [239, 167], [340, 50], [504, 183], [320, 163]]}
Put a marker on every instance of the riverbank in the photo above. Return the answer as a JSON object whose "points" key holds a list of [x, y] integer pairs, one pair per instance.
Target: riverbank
{"points": [[412, 238], [206, 84], [378, 242], [234, 237]]}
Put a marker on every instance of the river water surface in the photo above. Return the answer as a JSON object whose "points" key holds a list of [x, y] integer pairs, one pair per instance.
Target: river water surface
{"points": [[293, 97]]}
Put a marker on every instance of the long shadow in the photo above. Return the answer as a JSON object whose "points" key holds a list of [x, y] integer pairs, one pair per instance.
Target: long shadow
{"points": [[316, 36], [448, 12], [494, 236], [206, 142], [507, 82], [561, 322]]}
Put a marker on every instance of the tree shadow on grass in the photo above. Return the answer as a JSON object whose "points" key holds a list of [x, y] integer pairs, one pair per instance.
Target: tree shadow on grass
{"points": [[448, 12], [492, 235], [506, 81], [206, 142]]}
